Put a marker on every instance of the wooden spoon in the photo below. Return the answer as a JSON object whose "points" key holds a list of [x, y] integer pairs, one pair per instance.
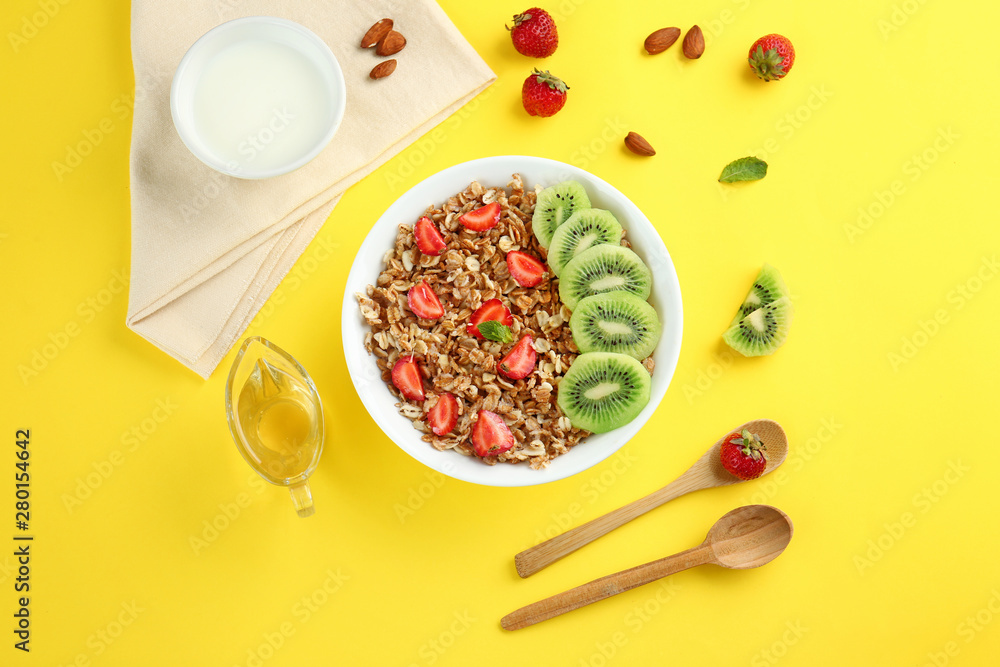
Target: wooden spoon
{"points": [[749, 536], [707, 472]]}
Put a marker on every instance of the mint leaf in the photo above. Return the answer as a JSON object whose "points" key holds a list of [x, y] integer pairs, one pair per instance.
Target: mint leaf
{"points": [[493, 330], [745, 169]]}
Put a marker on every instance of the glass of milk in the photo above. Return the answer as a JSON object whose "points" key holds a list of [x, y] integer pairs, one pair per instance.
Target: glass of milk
{"points": [[257, 97]]}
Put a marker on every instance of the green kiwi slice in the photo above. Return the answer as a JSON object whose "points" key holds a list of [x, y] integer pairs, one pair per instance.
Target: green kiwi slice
{"points": [[555, 204], [584, 229], [604, 268], [767, 287], [603, 390], [615, 322], [762, 331]]}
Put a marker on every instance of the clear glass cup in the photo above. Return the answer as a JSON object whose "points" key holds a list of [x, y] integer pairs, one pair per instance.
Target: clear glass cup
{"points": [[276, 417]]}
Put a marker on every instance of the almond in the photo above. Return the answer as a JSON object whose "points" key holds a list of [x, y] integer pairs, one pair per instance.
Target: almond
{"points": [[635, 143], [393, 42], [694, 43], [383, 69], [661, 40], [375, 33]]}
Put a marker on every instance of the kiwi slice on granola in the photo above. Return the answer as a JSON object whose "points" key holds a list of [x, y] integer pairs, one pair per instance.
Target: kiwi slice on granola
{"points": [[604, 268], [583, 230], [602, 391], [554, 205], [615, 322]]}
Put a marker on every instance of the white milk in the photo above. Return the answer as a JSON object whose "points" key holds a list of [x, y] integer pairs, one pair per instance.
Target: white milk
{"points": [[260, 104]]}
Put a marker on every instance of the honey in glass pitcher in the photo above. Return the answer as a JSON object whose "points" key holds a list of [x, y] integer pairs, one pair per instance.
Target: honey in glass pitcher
{"points": [[276, 417]]}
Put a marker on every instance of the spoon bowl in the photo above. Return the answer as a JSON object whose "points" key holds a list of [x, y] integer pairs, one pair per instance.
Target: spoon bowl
{"points": [[749, 536]]}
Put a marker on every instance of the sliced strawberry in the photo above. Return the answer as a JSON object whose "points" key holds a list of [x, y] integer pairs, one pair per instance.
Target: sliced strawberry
{"points": [[424, 302], [429, 238], [490, 435], [520, 361], [491, 310], [482, 218], [406, 377], [525, 269], [444, 415]]}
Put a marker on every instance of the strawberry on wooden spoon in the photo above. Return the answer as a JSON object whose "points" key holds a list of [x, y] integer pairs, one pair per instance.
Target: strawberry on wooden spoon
{"points": [[743, 455]]}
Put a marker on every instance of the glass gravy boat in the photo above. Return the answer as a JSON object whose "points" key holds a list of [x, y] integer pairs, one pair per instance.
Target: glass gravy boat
{"points": [[276, 417]]}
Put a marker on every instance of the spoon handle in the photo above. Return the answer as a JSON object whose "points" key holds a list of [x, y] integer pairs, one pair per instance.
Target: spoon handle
{"points": [[542, 555], [605, 587]]}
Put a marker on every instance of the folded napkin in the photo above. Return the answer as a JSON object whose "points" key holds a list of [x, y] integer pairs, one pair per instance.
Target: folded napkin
{"points": [[208, 249]]}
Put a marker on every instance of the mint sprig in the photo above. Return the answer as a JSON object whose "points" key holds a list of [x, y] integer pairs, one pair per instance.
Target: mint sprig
{"points": [[495, 331], [745, 169]]}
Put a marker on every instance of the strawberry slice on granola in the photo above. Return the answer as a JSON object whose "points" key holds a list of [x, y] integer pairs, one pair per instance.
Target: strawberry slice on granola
{"points": [[520, 361], [407, 379], [482, 218], [444, 415], [424, 302], [492, 310], [428, 237], [525, 269], [490, 435]]}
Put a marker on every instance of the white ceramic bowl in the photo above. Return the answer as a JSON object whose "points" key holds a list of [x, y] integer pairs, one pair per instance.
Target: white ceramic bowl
{"points": [[257, 97], [496, 171]]}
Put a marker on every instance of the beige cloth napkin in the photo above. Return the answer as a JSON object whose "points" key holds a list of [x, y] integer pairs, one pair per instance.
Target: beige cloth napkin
{"points": [[208, 249]]}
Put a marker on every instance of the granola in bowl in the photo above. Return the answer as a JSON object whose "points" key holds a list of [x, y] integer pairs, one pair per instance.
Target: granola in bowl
{"points": [[468, 273]]}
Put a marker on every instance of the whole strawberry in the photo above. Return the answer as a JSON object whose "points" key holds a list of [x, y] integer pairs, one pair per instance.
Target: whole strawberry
{"points": [[771, 57], [534, 33], [743, 455], [543, 94]]}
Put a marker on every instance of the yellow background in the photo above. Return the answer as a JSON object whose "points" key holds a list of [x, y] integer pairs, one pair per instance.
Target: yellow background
{"points": [[887, 385]]}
